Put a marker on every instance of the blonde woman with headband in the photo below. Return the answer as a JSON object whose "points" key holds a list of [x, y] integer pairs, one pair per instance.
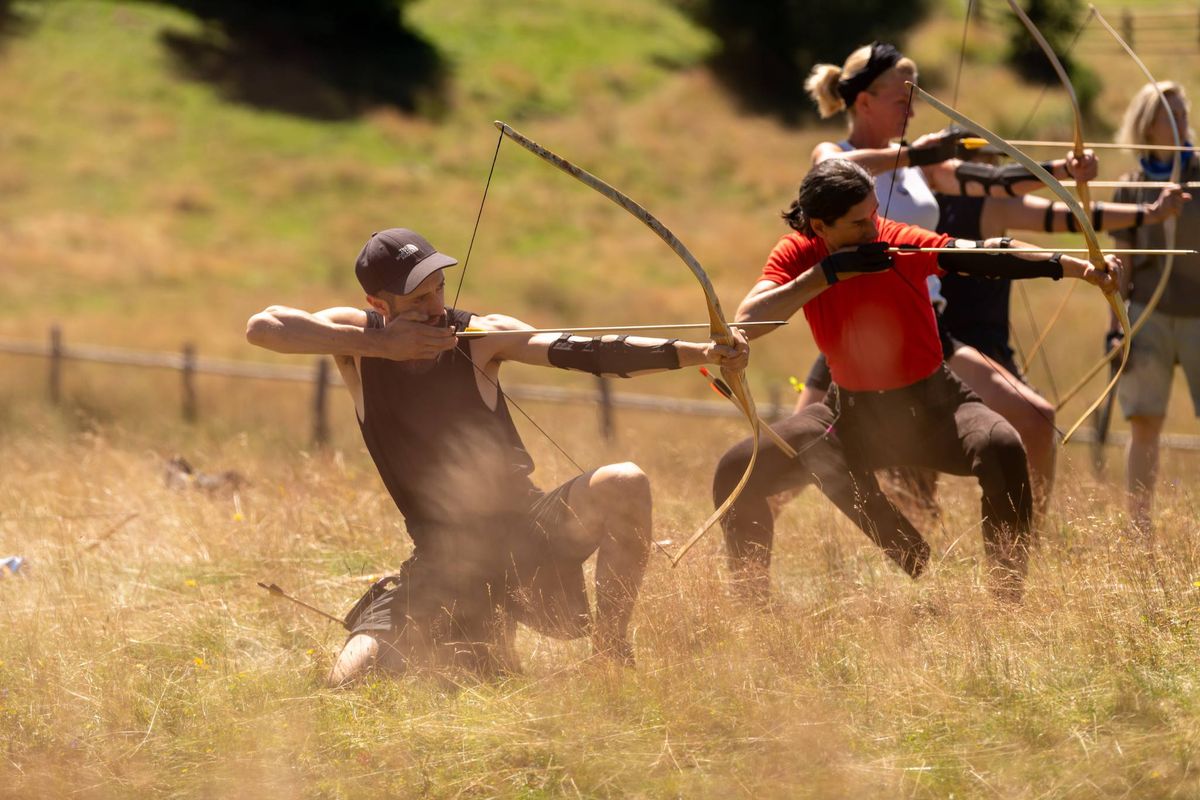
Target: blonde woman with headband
{"points": [[870, 89], [1172, 334]]}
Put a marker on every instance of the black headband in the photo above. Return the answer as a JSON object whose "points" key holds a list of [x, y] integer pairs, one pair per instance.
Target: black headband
{"points": [[883, 58]]}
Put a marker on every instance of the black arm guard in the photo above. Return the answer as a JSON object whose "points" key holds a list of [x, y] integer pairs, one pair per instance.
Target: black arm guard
{"points": [[941, 150], [1073, 224], [999, 265], [612, 356], [987, 176]]}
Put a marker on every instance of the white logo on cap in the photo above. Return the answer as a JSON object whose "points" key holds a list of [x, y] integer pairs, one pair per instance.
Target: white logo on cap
{"points": [[406, 251]]}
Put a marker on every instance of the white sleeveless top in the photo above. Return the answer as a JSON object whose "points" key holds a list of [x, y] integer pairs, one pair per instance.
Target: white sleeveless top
{"points": [[912, 202]]}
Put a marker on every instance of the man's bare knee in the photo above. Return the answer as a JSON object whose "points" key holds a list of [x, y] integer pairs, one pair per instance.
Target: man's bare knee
{"points": [[624, 491], [624, 482]]}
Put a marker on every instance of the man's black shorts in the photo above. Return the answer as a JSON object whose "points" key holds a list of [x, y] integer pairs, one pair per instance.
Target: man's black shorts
{"points": [[509, 561]]}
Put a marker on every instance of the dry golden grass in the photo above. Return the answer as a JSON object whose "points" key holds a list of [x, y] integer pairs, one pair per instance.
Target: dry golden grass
{"points": [[140, 659]]}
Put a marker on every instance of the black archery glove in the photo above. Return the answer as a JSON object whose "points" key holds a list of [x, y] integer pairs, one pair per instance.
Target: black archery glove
{"points": [[940, 149], [1113, 340], [873, 257]]}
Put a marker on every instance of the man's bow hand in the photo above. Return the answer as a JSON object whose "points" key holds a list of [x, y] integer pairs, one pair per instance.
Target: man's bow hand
{"points": [[734, 356], [1108, 279], [1083, 167]]}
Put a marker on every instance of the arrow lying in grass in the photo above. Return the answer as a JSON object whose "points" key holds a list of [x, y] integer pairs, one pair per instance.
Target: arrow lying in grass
{"points": [[277, 592]]}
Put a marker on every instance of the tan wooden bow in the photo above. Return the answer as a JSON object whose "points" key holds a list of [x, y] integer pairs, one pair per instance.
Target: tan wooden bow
{"points": [[719, 328]]}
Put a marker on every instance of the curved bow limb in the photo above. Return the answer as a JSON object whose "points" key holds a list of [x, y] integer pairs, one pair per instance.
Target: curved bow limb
{"points": [[1081, 216], [1081, 187], [1169, 226], [719, 328]]}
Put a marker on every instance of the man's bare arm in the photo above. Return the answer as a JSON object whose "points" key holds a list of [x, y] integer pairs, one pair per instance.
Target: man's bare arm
{"points": [[343, 332], [535, 349]]}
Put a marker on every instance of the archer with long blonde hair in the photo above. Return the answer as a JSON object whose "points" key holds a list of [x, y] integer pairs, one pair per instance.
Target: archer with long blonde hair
{"points": [[1171, 334]]}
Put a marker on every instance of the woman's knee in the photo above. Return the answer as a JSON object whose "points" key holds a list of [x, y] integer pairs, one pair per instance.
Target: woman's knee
{"points": [[1000, 449], [1035, 420]]}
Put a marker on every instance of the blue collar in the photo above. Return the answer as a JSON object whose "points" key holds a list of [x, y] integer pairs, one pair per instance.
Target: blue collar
{"points": [[1157, 170]]}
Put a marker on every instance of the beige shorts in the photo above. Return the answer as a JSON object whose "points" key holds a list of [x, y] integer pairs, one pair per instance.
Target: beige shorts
{"points": [[1162, 343]]}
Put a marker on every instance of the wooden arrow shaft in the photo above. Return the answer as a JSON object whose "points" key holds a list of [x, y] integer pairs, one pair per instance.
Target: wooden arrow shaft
{"points": [[280, 593], [1067, 250], [974, 143], [1136, 184], [470, 333]]}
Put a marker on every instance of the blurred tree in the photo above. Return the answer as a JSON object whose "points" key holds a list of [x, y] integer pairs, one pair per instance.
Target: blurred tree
{"points": [[768, 47], [312, 57], [1060, 22], [10, 20]]}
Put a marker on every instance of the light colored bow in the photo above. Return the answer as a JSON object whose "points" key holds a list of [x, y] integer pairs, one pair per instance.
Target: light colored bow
{"points": [[719, 328], [1169, 226], [1081, 216]]}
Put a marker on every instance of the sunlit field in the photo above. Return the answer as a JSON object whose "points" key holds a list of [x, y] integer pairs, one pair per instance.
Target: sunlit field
{"points": [[141, 659]]}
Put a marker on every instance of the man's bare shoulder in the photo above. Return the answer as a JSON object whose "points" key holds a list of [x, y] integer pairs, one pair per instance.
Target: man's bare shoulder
{"points": [[498, 348], [499, 322]]}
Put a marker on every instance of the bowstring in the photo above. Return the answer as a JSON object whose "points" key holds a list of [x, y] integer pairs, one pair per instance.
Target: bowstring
{"points": [[1021, 135], [462, 347], [1046, 86], [899, 151], [895, 176], [962, 56], [478, 216], [962, 52]]}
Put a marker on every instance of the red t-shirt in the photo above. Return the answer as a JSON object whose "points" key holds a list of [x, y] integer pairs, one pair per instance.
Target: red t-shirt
{"points": [[876, 330]]}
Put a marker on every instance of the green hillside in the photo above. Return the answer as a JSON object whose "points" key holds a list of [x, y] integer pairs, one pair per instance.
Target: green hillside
{"points": [[142, 207]]}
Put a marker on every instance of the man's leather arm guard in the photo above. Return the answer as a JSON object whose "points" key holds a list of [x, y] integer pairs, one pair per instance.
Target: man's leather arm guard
{"points": [[604, 356]]}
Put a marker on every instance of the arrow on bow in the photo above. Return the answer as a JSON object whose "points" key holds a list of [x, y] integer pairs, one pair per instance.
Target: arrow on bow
{"points": [[479, 333], [975, 143]]}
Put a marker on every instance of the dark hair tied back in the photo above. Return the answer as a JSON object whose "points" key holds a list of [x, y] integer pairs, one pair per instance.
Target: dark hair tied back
{"points": [[827, 193]]}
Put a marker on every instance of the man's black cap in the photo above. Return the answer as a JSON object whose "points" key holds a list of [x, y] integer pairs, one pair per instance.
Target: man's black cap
{"points": [[397, 260]]}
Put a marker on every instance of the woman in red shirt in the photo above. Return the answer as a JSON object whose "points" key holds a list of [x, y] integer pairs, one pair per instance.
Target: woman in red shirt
{"points": [[893, 402]]}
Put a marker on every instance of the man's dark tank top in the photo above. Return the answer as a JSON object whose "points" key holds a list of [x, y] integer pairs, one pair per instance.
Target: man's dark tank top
{"points": [[976, 310], [444, 456]]}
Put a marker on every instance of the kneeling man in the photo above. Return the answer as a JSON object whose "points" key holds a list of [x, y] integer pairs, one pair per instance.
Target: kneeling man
{"points": [[490, 547]]}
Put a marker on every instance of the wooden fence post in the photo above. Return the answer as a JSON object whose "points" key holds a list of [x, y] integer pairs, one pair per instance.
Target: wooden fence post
{"points": [[1127, 26], [320, 421], [189, 382], [608, 427], [55, 364]]}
